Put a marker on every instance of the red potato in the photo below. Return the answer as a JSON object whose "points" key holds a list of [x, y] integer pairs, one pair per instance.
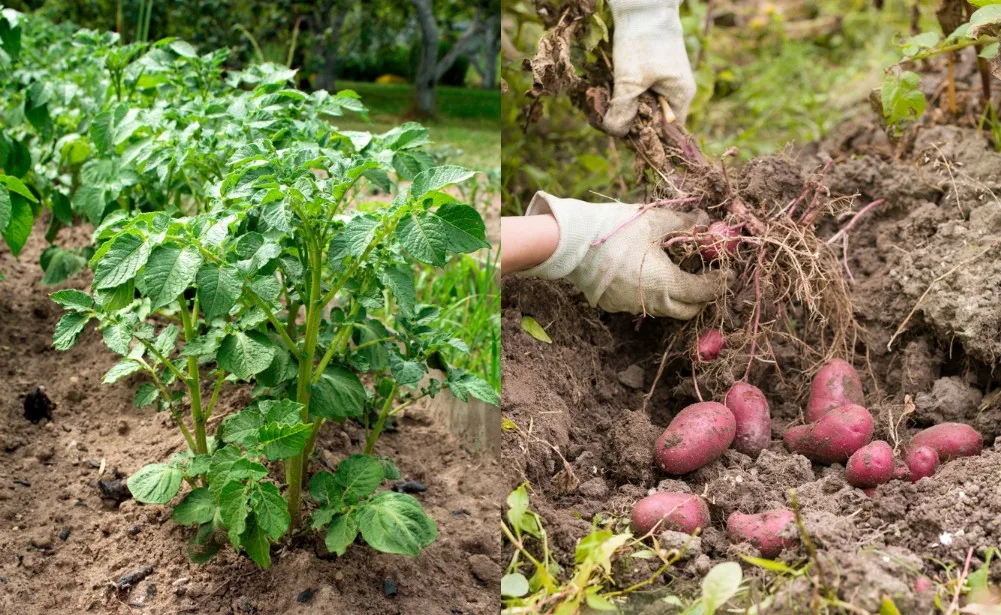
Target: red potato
{"points": [[950, 440], [714, 240], [923, 584], [834, 437], [681, 512], [871, 465], [835, 385], [921, 462], [754, 419], [762, 530], [710, 343], [697, 435]]}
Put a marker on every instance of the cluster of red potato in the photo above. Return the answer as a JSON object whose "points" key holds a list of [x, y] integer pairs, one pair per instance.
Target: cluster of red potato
{"points": [[840, 431]]}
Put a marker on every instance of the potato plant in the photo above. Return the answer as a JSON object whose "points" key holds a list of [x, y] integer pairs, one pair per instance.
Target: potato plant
{"points": [[228, 248], [901, 96]]}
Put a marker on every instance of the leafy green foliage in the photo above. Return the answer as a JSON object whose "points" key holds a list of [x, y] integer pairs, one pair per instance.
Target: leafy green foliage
{"points": [[225, 207], [902, 100]]}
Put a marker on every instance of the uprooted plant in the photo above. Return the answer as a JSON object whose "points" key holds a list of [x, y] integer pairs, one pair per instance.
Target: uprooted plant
{"points": [[795, 281], [218, 295]]}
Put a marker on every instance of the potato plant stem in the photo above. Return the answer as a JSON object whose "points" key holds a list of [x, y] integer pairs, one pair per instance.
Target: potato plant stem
{"points": [[295, 464], [194, 382], [373, 435]]}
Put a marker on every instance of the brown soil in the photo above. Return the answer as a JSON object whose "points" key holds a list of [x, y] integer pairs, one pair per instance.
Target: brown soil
{"points": [[584, 394], [48, 487]]}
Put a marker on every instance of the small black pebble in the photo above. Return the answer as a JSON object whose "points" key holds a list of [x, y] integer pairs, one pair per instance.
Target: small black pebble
{"points": [[460, 512], [133, 529], [63, 535], [3, 579], [410, 486], [37, 405], [389, 588], [94, 463], [22, 482], [304, 596]]}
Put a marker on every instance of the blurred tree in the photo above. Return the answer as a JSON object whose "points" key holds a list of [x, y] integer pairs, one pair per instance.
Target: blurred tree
{"points": [[431, 68]]}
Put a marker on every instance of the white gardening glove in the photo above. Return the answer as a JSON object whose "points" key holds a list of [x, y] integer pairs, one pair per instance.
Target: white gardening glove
{"points": [[649, 54], [629, 272]]}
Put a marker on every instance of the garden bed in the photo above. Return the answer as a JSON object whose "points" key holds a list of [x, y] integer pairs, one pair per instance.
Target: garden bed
{"points": [[63, 546]]}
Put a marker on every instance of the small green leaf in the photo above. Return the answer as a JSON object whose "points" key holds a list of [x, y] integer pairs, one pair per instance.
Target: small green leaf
{"points": [[463, 384], [532, 327], [720, 584], [118, 337], [990, 51], [146, 394], [196, 508], [283, 441], [20, 220], [73, 299], [514, 585], [425, 237], [986, 15], [405, 372], [125, 367], [255, 542], [888, 607], [400, 280], [123, 260], [395, 523], [518, 514], [68, 330], [338, 395], [90, 201], [357, 477], [245, 354], [324, 489], [437, 178], [218, 289], [769, 564], [169, 271], [156, 483], [233, 509], [270, 510], [464, 228], [341, 532], [902, 98]]}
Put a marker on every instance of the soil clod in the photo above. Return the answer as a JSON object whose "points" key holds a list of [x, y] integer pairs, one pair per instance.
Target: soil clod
{"points": [[410, 486], [37, 405], [305, 596], [134, 577], [389, 589], [116, 489]]}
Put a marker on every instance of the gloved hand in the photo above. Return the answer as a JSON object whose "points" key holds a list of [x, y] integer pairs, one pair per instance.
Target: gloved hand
{"points": [[629, 272], [649, 53]]}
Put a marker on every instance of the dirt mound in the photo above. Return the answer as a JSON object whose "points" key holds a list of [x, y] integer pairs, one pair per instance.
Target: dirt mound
{"points": [[62, 545], [926, 274]]}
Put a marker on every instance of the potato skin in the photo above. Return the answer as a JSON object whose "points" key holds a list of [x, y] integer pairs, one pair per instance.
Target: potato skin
{"points": [[697, 435], [921, 461], [711, 342], [762, 530], [754, 419], [836, 384], [949, 440], [871, 465], [834, 437], [681, 512]]}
